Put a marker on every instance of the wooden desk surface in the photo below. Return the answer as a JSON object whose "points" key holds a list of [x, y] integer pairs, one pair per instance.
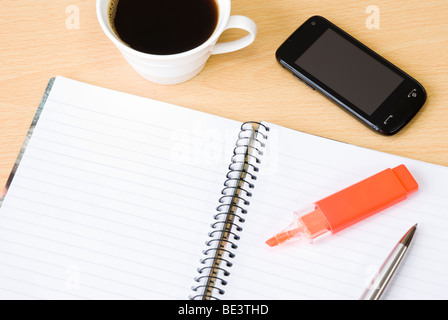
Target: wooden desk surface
{"points": [[245, 85]]}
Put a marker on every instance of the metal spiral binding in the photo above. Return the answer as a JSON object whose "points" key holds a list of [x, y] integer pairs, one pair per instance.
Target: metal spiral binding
{"points": [[217, 260]]}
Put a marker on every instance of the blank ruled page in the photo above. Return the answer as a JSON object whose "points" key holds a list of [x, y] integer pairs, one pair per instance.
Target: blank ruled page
{"points": [[299, 169], [113, 198]]}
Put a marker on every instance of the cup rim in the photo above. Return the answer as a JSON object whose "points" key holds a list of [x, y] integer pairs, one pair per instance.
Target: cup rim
{"points": [[224, 9]]}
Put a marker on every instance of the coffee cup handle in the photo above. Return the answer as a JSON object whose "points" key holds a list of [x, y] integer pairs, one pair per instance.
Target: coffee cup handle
{"points": [[237, 22]]}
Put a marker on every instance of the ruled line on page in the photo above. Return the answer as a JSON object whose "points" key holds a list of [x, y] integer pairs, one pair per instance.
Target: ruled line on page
{"points": [[66, 206]]}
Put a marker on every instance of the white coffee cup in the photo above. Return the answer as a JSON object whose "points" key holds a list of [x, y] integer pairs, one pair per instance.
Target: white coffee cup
{"points": [[180, 67]]}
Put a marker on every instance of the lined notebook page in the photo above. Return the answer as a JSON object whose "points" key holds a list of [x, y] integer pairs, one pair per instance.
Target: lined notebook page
{"points": [[113, 198], [299, 169]]}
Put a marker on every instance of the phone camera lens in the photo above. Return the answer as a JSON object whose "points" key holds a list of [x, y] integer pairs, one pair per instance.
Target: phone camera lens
{"points": [[313, 23]]}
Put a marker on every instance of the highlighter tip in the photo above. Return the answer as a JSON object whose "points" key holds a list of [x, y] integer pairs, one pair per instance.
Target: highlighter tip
{"points": [[272, 242], [282, 237]]}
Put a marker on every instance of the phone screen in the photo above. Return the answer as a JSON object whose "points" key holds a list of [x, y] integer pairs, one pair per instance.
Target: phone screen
{"points": [[349, 71]]}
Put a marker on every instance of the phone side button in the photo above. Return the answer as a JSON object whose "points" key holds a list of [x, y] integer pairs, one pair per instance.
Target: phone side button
{"points": [[312, 88], [297, 77]]}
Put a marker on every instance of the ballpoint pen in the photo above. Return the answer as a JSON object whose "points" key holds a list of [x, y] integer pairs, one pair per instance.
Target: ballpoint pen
{"points": [[378, 285]]}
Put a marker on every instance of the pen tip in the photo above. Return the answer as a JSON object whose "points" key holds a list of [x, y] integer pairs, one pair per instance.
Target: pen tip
{"points": [[407, 238]]}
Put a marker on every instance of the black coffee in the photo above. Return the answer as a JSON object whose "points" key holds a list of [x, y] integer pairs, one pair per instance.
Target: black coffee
{"points": [[163, 26]]}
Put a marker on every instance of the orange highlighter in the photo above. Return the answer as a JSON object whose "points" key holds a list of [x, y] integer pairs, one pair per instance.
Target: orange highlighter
{"points": [[349, 206]]}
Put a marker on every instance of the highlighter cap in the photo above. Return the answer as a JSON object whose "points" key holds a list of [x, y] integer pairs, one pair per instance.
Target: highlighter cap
{"points": [[406, 179], [367, 197]]}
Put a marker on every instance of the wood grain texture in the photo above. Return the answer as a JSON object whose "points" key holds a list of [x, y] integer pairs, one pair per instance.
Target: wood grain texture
{"points": [[245, 85]]}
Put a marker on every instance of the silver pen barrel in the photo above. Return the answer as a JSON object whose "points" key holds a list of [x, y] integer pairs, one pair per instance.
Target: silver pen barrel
{"points": [[379, 284]]}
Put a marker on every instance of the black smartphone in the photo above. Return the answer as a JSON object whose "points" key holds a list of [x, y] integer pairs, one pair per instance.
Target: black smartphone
{"points": [[372, 89]]}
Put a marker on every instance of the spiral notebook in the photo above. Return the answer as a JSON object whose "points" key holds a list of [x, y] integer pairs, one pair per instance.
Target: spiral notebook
{"points": [[115, 196]]}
